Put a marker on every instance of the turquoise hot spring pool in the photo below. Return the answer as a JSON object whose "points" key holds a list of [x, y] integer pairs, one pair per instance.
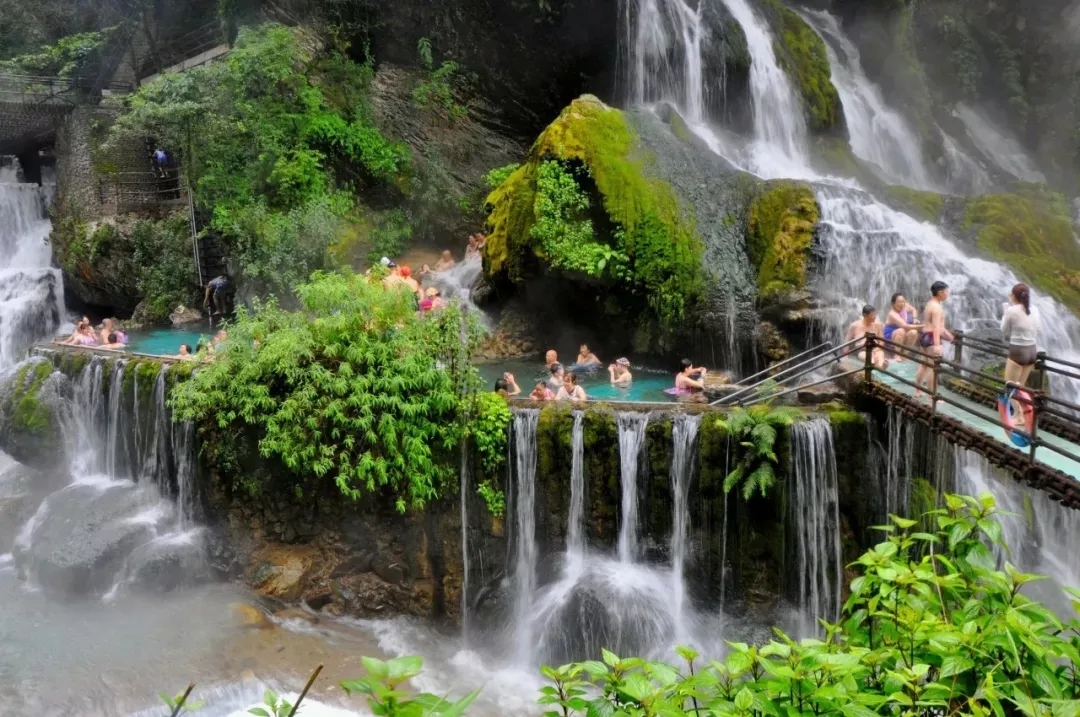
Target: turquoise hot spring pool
{"points": [[648, 386]]}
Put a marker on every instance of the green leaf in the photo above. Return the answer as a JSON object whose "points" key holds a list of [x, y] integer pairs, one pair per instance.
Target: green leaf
{"points": [[744, 700]]}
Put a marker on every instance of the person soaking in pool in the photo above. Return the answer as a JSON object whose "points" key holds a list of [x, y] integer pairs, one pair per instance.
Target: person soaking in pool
{"points": [[541, 392], [507, 386], [691, 379], [108, 326], [551, 358], [570, 390], [113, 343], [1020, 327], [185, 352], [586, 359], [558, 374], [620, 372]]}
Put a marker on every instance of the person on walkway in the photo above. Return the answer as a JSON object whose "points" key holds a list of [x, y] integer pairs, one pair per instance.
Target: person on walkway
{"points": [[901, 325], [570, 390], [620, 372], [161, 161], [933, 331], [868, 324], [1020, 327]]}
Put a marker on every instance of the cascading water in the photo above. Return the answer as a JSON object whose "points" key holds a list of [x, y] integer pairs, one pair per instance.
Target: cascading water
{"points": [[815, 513], [997, 146], [31, 291], [463, 494], [575, 524], [632, 427], [878, 134], [898, 469], [866, 250], [684, 439], [525, 420]]}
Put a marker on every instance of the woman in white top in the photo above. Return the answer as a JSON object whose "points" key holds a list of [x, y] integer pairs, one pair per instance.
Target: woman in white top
{"points": [[570, 389], [1020, 328]]}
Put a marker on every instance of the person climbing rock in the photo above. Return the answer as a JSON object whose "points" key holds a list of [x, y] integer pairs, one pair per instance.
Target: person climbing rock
{"points": [[220, 292]]}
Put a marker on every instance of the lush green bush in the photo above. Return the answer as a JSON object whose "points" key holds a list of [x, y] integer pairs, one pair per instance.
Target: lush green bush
{"points": [[66, 58], [164, 264], [355, 386], [275, 141], [754, 431]]}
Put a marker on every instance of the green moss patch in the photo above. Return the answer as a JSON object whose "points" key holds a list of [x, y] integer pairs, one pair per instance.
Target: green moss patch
{"points": [[28, 414], [926, 206], [780, 235], [1031, 230], [622, 229], [801, 53]]}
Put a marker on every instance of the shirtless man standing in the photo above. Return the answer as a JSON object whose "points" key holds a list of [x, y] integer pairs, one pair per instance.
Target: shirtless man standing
{"points": [[933, 331], [868, 324]]}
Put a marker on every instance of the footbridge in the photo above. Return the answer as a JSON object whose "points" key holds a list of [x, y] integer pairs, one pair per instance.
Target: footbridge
{"points": [[960, 402], [31, 107]]}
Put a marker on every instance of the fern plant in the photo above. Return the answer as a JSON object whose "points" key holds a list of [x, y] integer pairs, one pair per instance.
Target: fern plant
{"points": [[755, 431]]}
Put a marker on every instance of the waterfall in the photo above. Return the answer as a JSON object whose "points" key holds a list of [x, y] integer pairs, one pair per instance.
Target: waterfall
{"points": [[963, 174], [525, 420], [996, 145], [684, 440], [665, 55], [878, 133], [815, 517], [780, 139], [463, 490], [1042, 535], [897, 470], [31, 291], [632, 427], [867, 251], [575, 523]]}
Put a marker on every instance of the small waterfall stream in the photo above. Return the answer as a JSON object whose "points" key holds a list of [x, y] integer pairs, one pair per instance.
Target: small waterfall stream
{"points": [[814, 507], [684, 439], [575, 524], [632, 427], [525, 420]]}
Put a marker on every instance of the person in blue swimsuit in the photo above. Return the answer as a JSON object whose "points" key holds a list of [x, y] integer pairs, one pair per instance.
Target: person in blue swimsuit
{"points": [[901, 325]]}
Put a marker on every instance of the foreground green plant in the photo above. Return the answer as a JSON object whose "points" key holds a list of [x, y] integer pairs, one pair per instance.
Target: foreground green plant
{"points": [[754, 431], [381, 687], [355, 386]]}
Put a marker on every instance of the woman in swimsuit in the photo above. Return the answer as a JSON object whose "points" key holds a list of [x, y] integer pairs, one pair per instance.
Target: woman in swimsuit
{"points": [[690, 379], [900, 325], [570, 389]]}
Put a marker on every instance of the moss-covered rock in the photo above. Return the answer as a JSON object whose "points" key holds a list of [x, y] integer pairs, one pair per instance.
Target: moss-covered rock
{"points": [[1031, 230], [801, 53], [630, 235], [926, 206], [780, 235], [29, 417]]}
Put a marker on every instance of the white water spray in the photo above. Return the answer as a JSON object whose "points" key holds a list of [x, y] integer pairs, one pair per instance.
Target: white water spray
{"points": [[575, 523], [631, 427], [684, 440], [525, 420]]}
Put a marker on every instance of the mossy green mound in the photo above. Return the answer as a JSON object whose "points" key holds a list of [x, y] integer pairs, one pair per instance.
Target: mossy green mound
{"points": [[926, 206], [801, 53], [29, 424], [583, 204], [1031, 230], [780, 235]]}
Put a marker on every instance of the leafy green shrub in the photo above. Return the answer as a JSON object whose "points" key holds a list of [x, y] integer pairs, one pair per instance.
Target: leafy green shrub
{"points": [[489, 427], [354, 386], [275, 142], [164, 263], [435, 93], [500, 174], [66, 58], [755, 431], [385, 699]]}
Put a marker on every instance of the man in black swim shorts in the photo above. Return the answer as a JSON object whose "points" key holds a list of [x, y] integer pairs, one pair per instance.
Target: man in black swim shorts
{"points": [[932, 334]]}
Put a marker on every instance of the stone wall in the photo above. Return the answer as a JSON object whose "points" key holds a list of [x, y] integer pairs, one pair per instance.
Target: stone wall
{"points": [[77, 190]]}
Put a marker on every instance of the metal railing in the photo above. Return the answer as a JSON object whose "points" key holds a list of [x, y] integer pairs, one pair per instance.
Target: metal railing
{"points": [[825, 351], [61, 91], [136, 189], [1040, 402]]}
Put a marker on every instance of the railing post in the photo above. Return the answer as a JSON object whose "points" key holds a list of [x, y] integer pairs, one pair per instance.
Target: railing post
{"points": [[1044, 376], [868, 346], [934, 385], [958, 347]]}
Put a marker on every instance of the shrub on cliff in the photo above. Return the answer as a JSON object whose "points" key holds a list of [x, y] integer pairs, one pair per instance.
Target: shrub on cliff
{"points": [[355, 386], [780, 235], [584, 205], [275, 141]]}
